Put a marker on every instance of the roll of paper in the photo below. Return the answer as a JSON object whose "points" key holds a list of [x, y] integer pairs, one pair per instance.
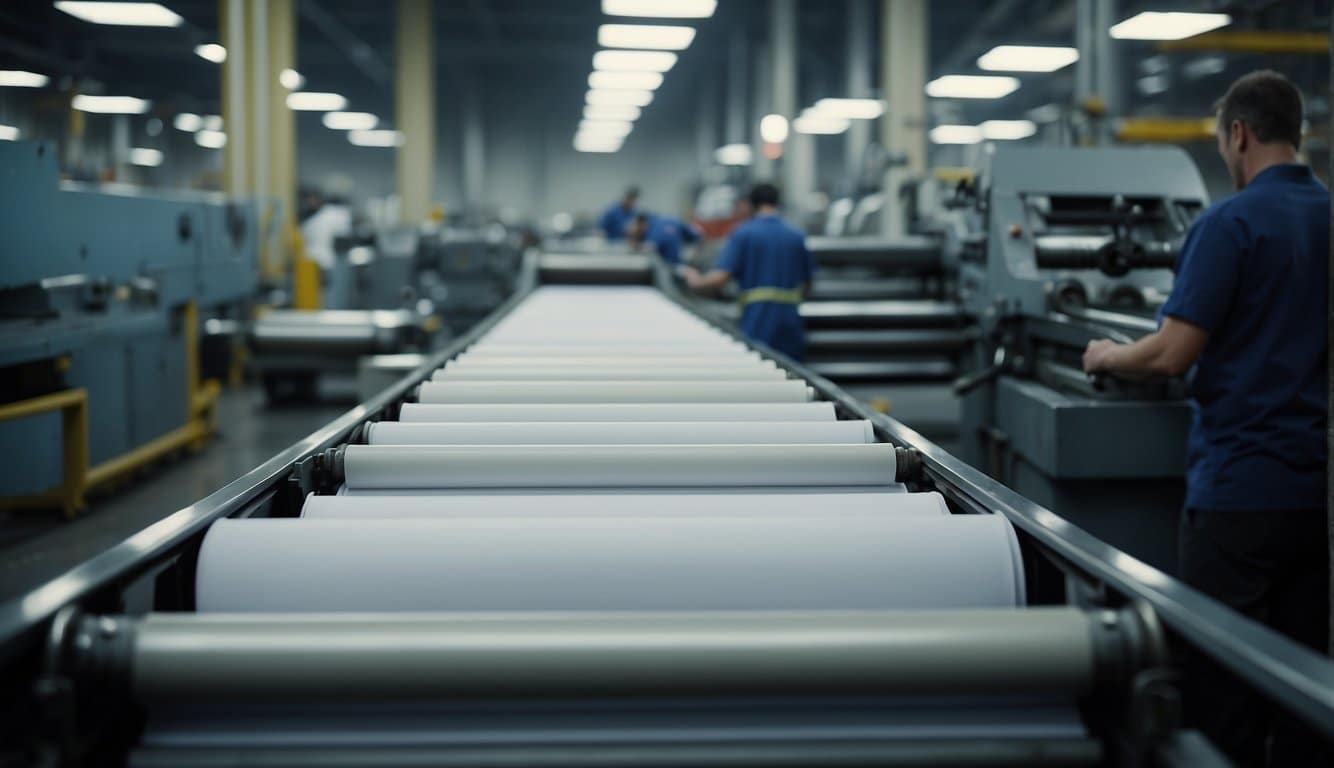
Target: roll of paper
{"points": [[634, 490], [427, 412], [608, 373], [605, 563], [630, 505], [622, 433], [493, 351], [557, 466], [615, 392]]}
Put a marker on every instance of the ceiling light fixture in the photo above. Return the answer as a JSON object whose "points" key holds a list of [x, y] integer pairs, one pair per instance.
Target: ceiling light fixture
{"points": [[606, 127], [291, 79], [631, 81], [18, 78], [619, 98], [110, 105], [649, 36], [211, 139], [188, 122], [849, 109], [733, 154], [584, 142], [149, 158], [773, 129], [350, 121], [1027, 58], [1168, 25], [382, 137], [971, 87], [211, 122], [817, 124], [314, 101], [1007, 130], [663, 9], [9, 133], [955, 134], [121, 14], [634, 61], [611, 112], [212, 52]]}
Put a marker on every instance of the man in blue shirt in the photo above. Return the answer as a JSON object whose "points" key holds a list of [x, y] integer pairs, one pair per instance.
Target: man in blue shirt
{"points": [[1248, 313], [618, 215], [665, 233], [771, 265]]}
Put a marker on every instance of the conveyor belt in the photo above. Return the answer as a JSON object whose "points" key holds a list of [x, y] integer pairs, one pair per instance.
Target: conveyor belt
{"points": [[479, 580]]}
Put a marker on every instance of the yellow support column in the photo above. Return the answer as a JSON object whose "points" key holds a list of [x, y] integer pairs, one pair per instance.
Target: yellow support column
{"points": [[280, 135], [414, 107]]}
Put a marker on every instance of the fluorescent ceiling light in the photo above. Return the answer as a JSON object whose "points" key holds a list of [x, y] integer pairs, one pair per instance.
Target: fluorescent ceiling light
{"points": [[955, 134], [606, 127], [9, 133], [619, 98], [122, 14], [634, 61], [1204, 66], [611, 112], [820, 125], [1168, 25], [211, 122], [733, 154], [212, 52], [592, 143], [663, 9], [211, 139], [314, 101], [350, 121], [630, 81], [188, 122], [1152, 85], [383, 137], [111, 105], [149, 158], [18, 78], [1047, 113], [291, 79], [651, 36], [1027, 58], [773, 129], [850, 109], [1007, 130], [971, 87]]}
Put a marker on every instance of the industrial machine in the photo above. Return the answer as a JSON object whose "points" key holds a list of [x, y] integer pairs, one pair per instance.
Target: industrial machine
{"points": [[568, 541], [882, 323], [1061, 247], [102, 295]]}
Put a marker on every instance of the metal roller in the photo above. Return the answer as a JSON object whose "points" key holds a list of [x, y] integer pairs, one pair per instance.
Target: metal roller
{"points": [[546, 412], [690, 391], [621, 433], [610, 373]]}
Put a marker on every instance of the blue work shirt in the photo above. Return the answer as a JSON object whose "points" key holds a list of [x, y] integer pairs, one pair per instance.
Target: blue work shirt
{"points": [[667, 234], [769, 261], [615, 219], [1254, 273]]}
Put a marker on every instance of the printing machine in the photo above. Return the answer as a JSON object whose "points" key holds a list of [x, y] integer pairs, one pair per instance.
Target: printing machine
{"points": [[1061, 247], [103, 291], [525, 628]]}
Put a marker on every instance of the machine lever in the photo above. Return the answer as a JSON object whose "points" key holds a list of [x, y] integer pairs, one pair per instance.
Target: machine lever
{"points": [[968, 382]]}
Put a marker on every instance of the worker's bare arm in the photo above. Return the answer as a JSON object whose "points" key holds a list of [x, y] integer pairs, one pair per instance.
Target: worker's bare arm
{"points": [[1170, 351]]}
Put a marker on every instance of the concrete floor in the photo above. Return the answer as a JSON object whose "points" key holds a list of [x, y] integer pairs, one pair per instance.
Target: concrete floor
{"points": [[36, 547]]}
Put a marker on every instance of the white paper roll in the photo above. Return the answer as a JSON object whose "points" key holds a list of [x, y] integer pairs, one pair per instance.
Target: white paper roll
{"points": [[608, 373], [615, 392], [621, 433], [490, 351], [632, 490], [632, 505], [427, 412], [557, 466], [603, 563]]}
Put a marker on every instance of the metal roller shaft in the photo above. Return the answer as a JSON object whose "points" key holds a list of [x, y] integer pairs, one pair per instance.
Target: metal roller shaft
{"points": [[179, 657]]}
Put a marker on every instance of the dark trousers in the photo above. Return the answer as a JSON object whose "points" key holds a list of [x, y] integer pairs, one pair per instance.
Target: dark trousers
{"points": [[1272, 566]]}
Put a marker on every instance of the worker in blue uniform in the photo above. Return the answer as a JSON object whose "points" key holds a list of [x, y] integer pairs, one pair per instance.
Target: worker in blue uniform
{"points": [[768, 259], [1247, 313], [666, 234], [619, 214]]}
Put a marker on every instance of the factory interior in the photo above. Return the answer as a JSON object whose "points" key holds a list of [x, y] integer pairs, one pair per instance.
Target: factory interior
{"points": [[665, 383]]}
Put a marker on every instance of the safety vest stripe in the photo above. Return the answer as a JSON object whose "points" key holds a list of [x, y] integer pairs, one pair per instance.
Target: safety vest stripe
{"points": [[779, 295]]}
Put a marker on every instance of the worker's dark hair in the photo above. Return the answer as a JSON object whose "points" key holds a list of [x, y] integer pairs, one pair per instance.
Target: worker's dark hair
{"points": [[763, 194], [1266, 101], [632, 192], [641, 218]]}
